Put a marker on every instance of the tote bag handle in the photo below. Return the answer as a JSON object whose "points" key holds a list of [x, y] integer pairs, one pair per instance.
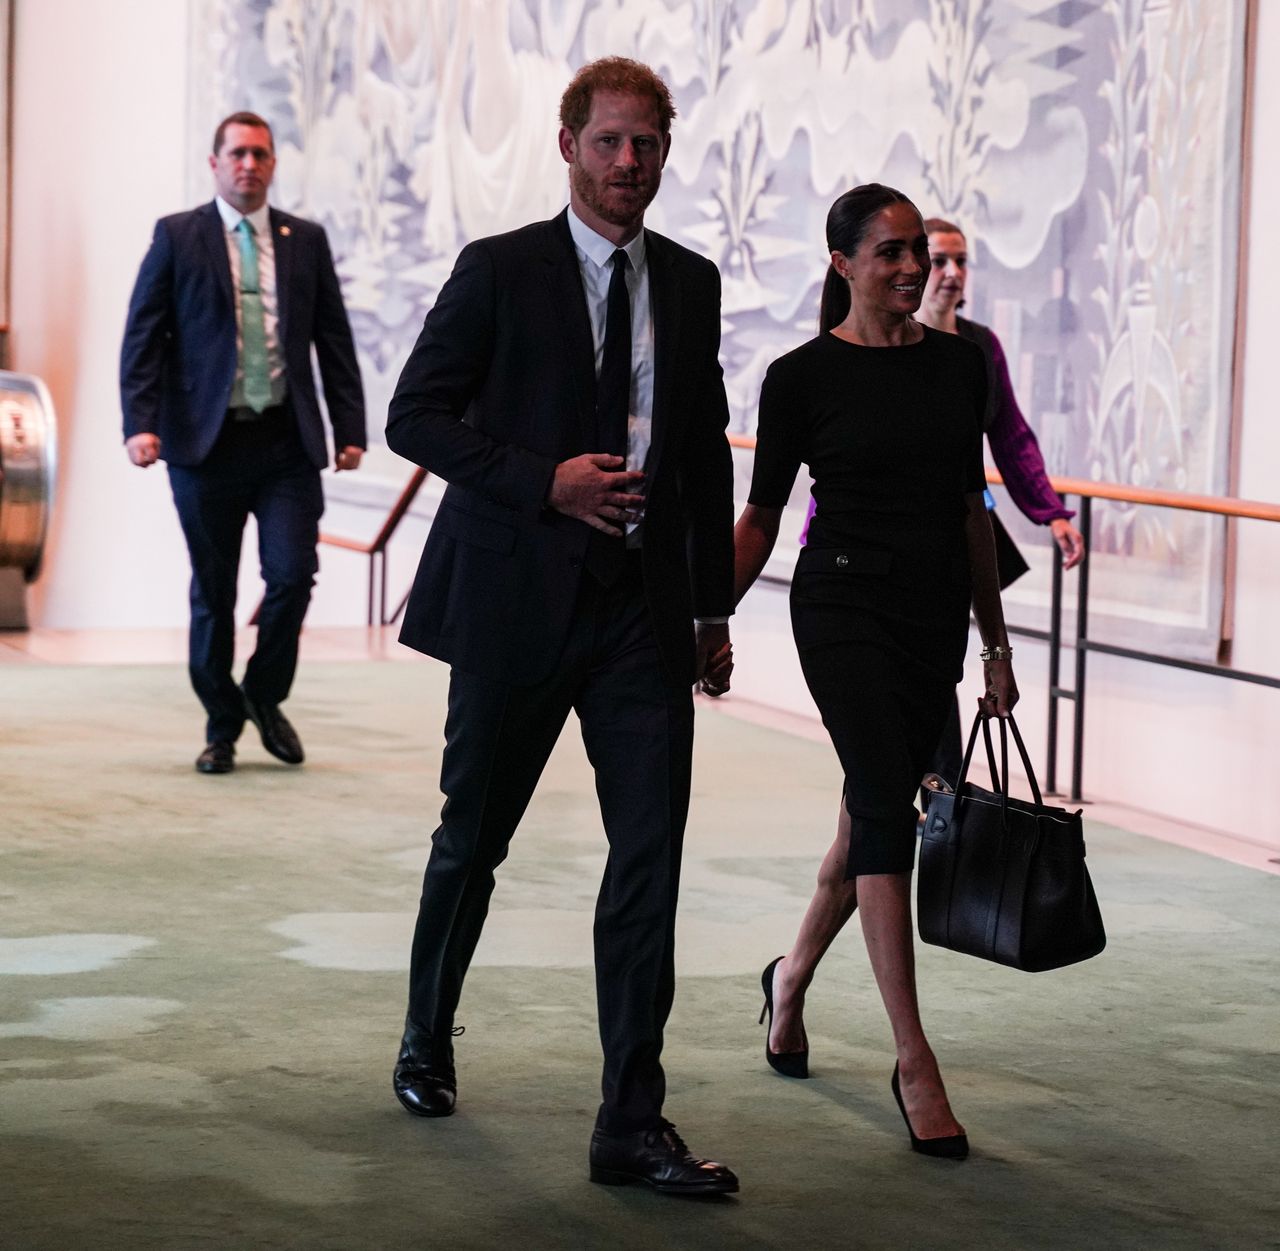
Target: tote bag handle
{"points": [[1000, 776]]}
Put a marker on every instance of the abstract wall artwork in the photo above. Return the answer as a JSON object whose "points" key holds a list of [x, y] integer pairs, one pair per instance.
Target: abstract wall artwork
{"points": [[1091, 149]]}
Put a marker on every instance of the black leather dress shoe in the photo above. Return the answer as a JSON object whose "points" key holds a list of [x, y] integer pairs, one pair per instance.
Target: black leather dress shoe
{"points": [[217, 757], [278, 736], [424, 1079], [657, 1157]]}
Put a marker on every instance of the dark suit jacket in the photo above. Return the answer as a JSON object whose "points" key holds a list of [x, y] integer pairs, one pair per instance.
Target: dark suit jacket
{"points": [[499, 388], [178, 360]]}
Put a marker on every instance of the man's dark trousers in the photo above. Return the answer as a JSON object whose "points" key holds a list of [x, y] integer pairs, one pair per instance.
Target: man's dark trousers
{"points": [[637, 725], [258, 468]]}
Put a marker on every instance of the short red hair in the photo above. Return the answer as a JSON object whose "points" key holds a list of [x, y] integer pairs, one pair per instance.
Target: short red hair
{"points": [[614, 73]]}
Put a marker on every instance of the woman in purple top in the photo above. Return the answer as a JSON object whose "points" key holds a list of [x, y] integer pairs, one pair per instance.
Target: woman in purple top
{"points": [[1013, 444]]}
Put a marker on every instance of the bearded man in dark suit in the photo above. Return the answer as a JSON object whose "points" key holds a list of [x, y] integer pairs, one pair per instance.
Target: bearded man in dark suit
{"points": [[567, 387], [216, 380]]}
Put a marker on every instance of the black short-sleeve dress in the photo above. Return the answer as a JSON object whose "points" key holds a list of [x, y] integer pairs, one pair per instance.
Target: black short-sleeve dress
{"points": [[880, 598]]}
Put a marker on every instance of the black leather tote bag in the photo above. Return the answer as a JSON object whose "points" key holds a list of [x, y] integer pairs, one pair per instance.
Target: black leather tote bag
{"points": [[1004, 879], [1010, 562]]}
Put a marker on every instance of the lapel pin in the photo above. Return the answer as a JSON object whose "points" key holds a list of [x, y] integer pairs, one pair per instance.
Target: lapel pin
{"points": [[284, 230]]}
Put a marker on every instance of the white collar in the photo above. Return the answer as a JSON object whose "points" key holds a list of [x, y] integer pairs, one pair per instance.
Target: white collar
{"points": [[599, 249], [259, 219]]}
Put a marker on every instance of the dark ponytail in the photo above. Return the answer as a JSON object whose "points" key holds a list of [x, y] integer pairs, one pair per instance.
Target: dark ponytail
{"points": [[847, 223], [835, 301]]}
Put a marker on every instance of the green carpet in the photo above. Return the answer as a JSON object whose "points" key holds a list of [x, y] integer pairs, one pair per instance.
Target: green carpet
{"points": [[202, 985]]}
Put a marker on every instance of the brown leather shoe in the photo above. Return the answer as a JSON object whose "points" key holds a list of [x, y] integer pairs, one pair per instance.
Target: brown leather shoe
{"points": [[217, 757], [657, 1157]]}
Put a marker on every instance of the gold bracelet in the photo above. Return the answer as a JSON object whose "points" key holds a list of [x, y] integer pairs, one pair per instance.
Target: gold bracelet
{"points": [[995, 653]]}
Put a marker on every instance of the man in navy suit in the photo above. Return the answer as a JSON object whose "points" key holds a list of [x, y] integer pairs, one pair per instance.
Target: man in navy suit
{"points": [[567, 386], [216, 379]]}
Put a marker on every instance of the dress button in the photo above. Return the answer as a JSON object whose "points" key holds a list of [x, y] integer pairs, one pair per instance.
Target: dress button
{"points": [[842, 560]]}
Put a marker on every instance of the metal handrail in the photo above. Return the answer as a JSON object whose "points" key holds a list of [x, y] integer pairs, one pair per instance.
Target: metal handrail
{"points": [[1223, 505], [1217, 505], [376, 547], [376, 550], [1087, 491]]}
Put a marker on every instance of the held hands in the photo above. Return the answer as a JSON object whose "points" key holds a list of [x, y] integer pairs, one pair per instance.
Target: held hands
{"points": [[1069, 540], [714, 662], [348, 458], [596, 489], [143, 449], [1002, 691]]}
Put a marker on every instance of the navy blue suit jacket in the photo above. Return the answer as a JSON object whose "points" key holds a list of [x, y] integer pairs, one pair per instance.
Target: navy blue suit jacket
{"points": [[499, 388], [178, 359]]}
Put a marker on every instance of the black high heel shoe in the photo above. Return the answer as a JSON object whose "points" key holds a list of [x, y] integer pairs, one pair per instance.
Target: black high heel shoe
{"points": [[788, 1063], [952, 1147]]}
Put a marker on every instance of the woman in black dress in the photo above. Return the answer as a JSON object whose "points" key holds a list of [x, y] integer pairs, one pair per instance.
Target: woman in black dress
{"points": [[887, 414]]}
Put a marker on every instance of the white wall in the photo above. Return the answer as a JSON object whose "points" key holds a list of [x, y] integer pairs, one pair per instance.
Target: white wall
{"points": [[98, 122], [99, 153]]}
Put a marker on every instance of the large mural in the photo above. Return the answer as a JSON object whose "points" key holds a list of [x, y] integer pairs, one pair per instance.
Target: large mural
{"points": [[1090, 149]]}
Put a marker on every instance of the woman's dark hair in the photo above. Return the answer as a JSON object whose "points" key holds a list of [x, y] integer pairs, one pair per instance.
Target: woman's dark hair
{"points": [[847, 223]]}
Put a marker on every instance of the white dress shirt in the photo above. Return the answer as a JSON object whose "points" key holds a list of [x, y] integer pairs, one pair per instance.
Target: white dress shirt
{"points": [[260, 220], [595, 256]]}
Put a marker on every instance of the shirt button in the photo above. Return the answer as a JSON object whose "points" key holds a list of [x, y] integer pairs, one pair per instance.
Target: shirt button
{"points": [[841, 560], [575, 563]]}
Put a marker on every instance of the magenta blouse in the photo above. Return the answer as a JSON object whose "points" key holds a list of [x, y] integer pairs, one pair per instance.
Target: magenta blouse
{"points": [[1016, 451]]}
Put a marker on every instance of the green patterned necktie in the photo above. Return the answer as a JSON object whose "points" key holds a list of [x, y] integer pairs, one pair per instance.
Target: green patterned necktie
{"points": [[253, 326]]}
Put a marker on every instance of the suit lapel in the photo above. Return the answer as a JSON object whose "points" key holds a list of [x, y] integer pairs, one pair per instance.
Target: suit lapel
{"points": [[214, 235], [282, 244], [664, 296], [569, 305]]}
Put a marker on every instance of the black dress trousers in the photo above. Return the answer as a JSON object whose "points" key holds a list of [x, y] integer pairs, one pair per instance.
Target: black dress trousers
{"points": [[637, 726], [256, 468]]}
